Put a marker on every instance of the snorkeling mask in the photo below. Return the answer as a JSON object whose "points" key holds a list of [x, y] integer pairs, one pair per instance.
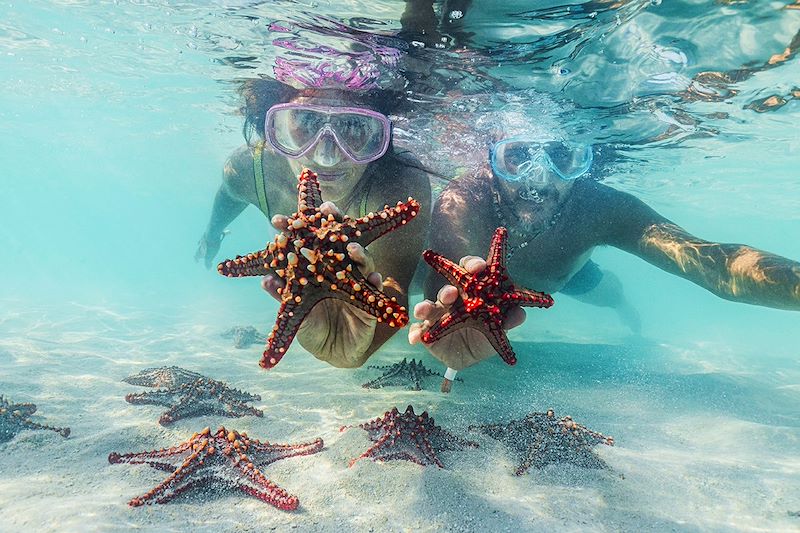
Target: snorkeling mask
{"points": [[522, 158], [361, 134]]}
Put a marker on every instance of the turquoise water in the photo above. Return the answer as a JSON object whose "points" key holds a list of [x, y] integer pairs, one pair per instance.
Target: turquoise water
{"points": [[115, 120]]}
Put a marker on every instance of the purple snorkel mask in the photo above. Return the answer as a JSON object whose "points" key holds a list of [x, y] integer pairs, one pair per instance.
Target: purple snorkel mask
{"points": [[361, 134]]}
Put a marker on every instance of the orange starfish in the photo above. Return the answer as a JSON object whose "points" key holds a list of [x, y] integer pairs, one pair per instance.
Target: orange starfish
{"points": [[485, 298], [224, 459], [311, 257]]}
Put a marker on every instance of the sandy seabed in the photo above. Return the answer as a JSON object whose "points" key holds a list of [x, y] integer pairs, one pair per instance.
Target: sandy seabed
{"points": [[706, 439]]}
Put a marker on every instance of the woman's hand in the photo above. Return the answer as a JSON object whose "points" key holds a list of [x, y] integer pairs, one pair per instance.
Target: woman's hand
{"points": [[208, 247], [463, 347], [335, 331]]}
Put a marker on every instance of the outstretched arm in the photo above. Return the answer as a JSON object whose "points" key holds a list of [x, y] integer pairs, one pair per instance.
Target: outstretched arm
{"points": [[227, 206], [735, 272]]}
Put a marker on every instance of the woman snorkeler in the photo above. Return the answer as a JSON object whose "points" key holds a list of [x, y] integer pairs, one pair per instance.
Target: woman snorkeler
{"points": [[345, 137]]}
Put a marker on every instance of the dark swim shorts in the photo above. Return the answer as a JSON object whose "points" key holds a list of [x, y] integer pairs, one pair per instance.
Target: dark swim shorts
{"points": [[584, 280]]}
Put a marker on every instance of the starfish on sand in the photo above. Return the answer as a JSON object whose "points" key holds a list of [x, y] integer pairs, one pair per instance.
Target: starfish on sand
{"points": [[312, 259], [223, 460], [188, 394], [410, 437], [15, 417], [485, 297], [244, 336], [540, 439], [402, 373]]}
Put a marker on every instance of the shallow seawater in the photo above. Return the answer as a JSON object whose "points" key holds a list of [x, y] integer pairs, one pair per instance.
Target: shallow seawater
{"points": [[116, 119]]}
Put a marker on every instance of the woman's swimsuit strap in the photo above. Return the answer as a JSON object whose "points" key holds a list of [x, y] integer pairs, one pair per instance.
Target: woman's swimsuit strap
{"points": [[261, 186]]}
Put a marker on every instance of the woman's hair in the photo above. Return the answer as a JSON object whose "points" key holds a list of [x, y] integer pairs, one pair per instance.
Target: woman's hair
{"points": [[262, 93]]}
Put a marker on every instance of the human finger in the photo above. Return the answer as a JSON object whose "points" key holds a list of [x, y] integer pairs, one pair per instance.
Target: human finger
{"points": [[363, 258], [447, 295], [515, 317], [415, 333], [424, 309], [376, 280], [280, 222], [271, 284], [329, 208]]}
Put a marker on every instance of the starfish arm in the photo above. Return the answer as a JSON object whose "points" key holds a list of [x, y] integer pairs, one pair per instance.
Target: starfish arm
{"points": [[254, 264], [265, 453], [309, 196], [234, 408], [167, 376], [424, 444], [241, 396], [497, 250], [371, 226], [290, 315], [24, 409], [29, 424], [445, 325], [528, 298], [270, 493], [386, 379], [156, 397], [164, 459], [355, 290], [175, 484], [499, 341], [375, 448], [187, 407], [453, 273], [533, 455]]}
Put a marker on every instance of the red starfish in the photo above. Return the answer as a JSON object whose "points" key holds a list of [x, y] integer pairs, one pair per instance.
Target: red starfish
{"points": [[410, 437], [311, 257], [485, 298], [225, 459]]}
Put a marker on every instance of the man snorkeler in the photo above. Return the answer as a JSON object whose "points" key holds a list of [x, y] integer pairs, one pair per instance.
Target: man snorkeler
{"points": [[555, 220]]}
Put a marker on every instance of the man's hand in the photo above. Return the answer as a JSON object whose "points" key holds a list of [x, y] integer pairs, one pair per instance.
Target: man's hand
{"points": [[334, 331], [463, 347]]}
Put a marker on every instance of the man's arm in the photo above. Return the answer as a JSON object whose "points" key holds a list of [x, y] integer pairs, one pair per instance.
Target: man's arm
{"points": [[735, 272]]}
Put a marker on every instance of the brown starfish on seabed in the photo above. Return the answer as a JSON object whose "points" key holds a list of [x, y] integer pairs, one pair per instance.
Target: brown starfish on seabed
{"points": [[221, 460], [485, 298], [540, 439], [410, 437], [244, 336], [187, 396], [312, 259], [402, 373], [15, 417]]}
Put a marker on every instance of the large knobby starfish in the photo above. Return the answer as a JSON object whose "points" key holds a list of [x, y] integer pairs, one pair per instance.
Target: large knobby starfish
{"points": [[189, 396], [410, 437], [221, 460], [541, 439], [485, 298], [15, 417], [311, 257]]}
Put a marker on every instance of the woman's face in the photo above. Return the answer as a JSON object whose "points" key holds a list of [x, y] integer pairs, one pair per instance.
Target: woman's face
{"points": [[337, 173]]}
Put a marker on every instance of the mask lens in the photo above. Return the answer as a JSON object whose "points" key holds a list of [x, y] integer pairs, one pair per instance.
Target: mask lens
{"points": [[515, 159], [363, 135], [569, 160]]}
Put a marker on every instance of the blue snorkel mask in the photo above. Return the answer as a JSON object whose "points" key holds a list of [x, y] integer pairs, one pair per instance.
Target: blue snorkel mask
{"points": [[524, 159]]}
